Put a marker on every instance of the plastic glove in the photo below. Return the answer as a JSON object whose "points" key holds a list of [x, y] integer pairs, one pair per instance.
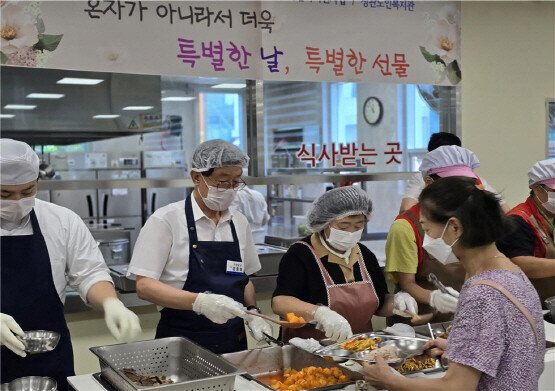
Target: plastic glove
{"points": [[8, 331], [122, 323], [444, 302], [218, 308], [402, 302], [258, 326], [334, 325]]}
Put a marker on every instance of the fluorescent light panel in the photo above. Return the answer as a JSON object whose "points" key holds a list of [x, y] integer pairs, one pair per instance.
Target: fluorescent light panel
{"points": [[177, 98], [106, 116], [79, 81], [42, 95], [20, 107], [138, 108], [7, 115], [230, 85]]}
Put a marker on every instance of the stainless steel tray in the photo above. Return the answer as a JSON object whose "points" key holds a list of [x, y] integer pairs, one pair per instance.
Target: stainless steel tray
{"points": [[272, 360], [190, 366], [118, 273]]}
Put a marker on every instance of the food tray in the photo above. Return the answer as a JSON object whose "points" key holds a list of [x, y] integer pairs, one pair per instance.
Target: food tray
{"points": [[412, 349], [190, 366], [272, 360], [124, 284]]}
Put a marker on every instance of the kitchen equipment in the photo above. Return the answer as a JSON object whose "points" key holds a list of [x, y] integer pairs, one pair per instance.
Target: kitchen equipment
{"points": [[437, 329], [432, 334], [433, 279], [39, 341], [115, 252], [190, 366], [282, 323], [362, 356], [274, 359], [31, 383], [124, 284], [271, 339], [550, 305], [270, 257]]}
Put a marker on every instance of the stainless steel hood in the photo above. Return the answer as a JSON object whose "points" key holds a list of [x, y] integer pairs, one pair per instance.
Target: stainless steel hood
{"points": [[70, 120]]}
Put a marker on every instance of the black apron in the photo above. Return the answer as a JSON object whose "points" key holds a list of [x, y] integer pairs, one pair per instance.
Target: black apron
{"points": [[207, 272], [29, 296]]}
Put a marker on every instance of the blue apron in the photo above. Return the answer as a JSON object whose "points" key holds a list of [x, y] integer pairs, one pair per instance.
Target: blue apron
{"points": [[29, 296], [207, 272]]}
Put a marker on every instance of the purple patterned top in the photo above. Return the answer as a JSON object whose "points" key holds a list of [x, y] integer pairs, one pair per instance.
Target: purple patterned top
{"points": [[491, 335]]}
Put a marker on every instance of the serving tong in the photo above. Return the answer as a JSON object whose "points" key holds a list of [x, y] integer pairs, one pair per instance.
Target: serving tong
{"points": [[438, 284]]}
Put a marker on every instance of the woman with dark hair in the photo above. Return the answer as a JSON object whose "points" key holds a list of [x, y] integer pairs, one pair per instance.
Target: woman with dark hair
{"points": [[497, 339]]}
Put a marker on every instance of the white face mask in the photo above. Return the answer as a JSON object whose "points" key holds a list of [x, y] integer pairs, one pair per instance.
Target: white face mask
{"points": [[15, 210], [440, 250], [343, 240], [217, 199], [549, 205]]}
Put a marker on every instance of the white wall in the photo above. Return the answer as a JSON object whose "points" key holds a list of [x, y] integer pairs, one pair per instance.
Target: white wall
{"points": [[508, 62]]}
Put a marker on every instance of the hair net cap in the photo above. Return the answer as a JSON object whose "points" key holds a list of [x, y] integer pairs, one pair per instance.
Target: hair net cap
{"points": [[217, 153], [542, 172], [19, 164], [448, 156], [336, 204]]}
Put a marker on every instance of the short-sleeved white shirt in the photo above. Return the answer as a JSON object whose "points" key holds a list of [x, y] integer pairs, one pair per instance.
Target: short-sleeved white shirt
{"points": [[162, 248], [74, 255]]}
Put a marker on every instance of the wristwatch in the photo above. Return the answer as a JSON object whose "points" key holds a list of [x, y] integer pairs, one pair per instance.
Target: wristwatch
{"points": [[253, 307]]}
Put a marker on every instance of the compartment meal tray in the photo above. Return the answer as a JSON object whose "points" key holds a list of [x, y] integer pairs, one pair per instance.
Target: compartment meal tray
{"points": [[190, 366], [273, 360]]}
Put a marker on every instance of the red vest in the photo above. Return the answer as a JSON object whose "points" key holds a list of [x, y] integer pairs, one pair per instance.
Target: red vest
{"points": [[525, 210], [415, 210]]}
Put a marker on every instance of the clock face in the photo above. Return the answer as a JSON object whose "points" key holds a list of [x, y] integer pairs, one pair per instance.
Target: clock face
{"points": [[372, 110]]}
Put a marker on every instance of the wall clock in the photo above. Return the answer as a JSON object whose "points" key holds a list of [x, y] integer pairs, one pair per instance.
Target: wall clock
{"points": [[372, 110]]}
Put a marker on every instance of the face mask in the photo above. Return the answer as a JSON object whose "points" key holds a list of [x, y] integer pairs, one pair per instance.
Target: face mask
{"points": [[343, 240], [15, 210], [549, 205], [217, 199], [440, 250]]}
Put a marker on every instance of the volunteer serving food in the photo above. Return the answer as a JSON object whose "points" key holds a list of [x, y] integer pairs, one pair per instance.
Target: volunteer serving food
{"points": [[331, 279], [497, 341], [45, 248], [193, 257], [530, 245]]}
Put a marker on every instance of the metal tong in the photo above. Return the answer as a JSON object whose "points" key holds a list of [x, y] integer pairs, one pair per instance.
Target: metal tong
{"points": [[271, 339], [433, 279]]}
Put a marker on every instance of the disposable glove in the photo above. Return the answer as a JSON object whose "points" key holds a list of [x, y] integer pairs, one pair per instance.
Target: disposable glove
{"points": [[258, 326], [122, 323], [218, 308], [402, 302], [444, 302], [334, 325], [8, 331]]}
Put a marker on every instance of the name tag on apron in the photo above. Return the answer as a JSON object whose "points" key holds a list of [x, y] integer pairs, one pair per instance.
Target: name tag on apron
{"points": [[234, 267]]}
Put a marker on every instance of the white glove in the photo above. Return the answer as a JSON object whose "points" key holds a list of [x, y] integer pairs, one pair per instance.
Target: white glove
{"points": [[334, 325], [258, 326], [443, 302], [402, 302], [8, 331], [218, 308], [122, 323]]}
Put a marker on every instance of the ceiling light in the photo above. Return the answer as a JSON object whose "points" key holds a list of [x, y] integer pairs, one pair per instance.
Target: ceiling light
{"points": [[7, 115], [20, 107], [40, 95], [138, 108], [79, 81], [177, 98], [230, 85], [106, 116]]}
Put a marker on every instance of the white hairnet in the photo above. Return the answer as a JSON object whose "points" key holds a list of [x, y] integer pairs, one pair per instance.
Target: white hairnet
{"points": [[448, 156], [19, 164], [336, 204], [217, 153], [542, 171]]}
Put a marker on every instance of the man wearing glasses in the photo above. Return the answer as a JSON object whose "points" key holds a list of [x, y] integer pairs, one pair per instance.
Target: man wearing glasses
{"points": [[530, 245], [193, 257]]}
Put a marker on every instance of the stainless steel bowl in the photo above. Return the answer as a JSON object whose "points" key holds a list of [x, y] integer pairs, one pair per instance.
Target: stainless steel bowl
{"points": [[408, 346], [33, 383], [362, 356], [40, 341]]}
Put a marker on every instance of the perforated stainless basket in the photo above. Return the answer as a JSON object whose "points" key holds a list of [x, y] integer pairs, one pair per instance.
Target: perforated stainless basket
{"points": [[191, 367]]}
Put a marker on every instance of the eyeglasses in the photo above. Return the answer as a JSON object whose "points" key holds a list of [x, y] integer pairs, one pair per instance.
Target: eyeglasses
{"points": [[224, 185]]}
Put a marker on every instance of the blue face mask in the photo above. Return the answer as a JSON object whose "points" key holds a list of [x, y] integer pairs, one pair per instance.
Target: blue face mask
{"points": [[438, 249]]}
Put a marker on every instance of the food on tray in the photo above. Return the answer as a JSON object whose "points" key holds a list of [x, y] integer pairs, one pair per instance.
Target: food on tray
{"points": [[360, 343], [145, 380], [308, 378], [292, 318], [388, 353], [415, 318], [412, 365]]}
